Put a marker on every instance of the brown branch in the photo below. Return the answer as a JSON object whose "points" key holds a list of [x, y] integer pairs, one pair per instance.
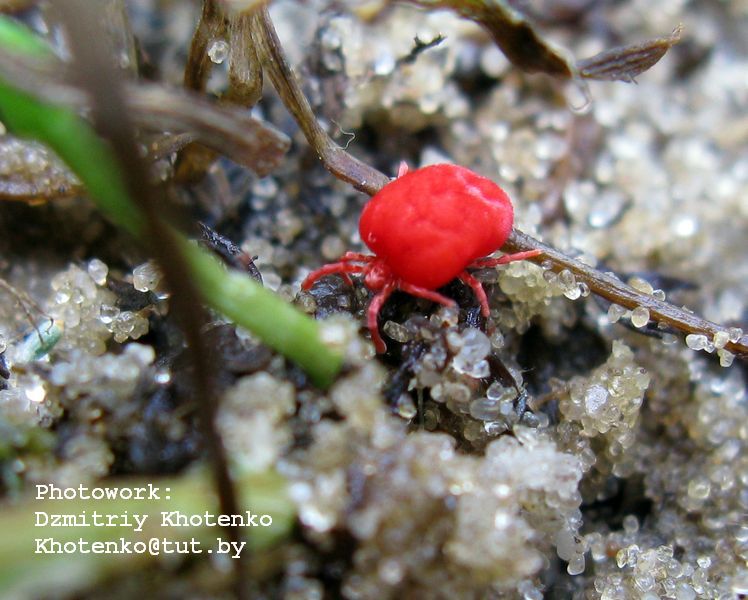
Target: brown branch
{"points": [[245, 71], [212, 26], [244, 75], [609, 287], [193, 160], [513, 34], [227, 130], [341, 164]]}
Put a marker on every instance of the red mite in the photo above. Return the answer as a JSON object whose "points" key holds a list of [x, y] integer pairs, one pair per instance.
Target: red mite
{"points": [[426, 228]]}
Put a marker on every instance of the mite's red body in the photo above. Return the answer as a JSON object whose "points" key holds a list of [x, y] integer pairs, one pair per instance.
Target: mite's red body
{"points": [[429, 224], [426, 228]]}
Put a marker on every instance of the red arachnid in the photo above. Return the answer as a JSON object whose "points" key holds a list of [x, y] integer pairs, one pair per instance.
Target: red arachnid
{"points": [[425, 228]]}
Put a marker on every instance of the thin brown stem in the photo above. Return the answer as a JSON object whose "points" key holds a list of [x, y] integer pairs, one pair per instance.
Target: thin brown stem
{"points": [[94, 68], [226, 129], [23, 300], [212, 26], [609, 287], [245, 71], [244, 75], [341, 164]]}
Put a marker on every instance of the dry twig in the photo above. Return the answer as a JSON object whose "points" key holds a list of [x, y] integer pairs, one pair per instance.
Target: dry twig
{"points": [[244, 74], [248, 141]]}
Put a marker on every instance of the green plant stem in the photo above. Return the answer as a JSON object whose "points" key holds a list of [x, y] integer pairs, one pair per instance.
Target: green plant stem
{"points": [[276, 323]]}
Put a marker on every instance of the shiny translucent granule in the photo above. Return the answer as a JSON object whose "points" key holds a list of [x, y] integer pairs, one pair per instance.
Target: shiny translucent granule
{"points": [[146, 277], [261, 404], [30, 171], [218, 51], [498, 523], [639, 316]]}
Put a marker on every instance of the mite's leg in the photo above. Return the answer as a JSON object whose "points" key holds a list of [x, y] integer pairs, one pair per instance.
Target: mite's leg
{"points": [[356, 257], [373, 312], [483, 263], [402, 169], [415, 290], [478, 290], [342, 268]]}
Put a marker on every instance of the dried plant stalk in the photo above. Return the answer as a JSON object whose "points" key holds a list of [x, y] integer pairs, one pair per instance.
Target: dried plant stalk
{"points": [[512, 33], [246, 140], [341, 164], [245, 71], [526, 49], [626, 62], [225, 129], [613, 289], [244, 81], [212, 26]]}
